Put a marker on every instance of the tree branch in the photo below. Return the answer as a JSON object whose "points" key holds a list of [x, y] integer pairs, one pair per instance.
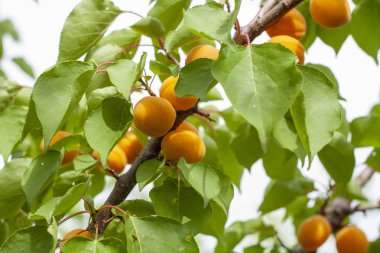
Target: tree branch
{"points": [[363, 178], [269, 13], [127, 181]]}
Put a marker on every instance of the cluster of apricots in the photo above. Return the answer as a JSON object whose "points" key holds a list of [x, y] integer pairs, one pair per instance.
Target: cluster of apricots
{"points": [[315, 230], [126, 151], [155, 116], [291, 27]]}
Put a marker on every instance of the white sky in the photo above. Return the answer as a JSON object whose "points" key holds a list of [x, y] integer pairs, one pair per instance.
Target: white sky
{"points": [[359, 78]]}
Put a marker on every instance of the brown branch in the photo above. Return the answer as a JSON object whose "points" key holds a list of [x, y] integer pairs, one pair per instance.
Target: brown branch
{"points": [[127, 181], [363, 178], [268, 14]]}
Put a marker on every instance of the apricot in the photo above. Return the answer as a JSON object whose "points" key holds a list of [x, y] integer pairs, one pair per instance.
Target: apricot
{"points": [[313, 232], [202, 51], [292, 44], [73, 233], [330, 14], [351, 240], [154, 116], [292, 24], [183, 143], [131, 145], [116, 159], [69, 155], [179, 103], [187, 126]]}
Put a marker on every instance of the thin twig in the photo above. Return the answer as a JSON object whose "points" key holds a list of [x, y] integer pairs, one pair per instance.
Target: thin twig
{"points": [[147, 88], [112, 207], [228, 6], [73, 215], [170, 56], [113, 173], [134, 13], [205, 115], [363, 178]]}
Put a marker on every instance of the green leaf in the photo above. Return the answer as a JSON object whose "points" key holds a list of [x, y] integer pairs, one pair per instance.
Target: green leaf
{"points": [[149, 26], [32, 239], [183, 204], [226, 156], [147, 172], [39, 173], [98, 95], [195, 79], [169, 12], [334, 37], [138, 207], [107, 124], [338, 158], [311, 31], [7, 27], [125, 73], [280, 193], [285, 134], [215, 224], [84, 162], [61, 205], [210, 22], [106, 53], [374, 246], [254, 249], [365, 21], [197, 175], [365, 131], [226, 193], [181, 36], [104, 245], [158, 234], [246, 145], [12, 121], [57, 91], [22, 64], [84, 27], [252, 83], [10, 187], [373, 159], [279, 163], [123, 38], [316, 111]]}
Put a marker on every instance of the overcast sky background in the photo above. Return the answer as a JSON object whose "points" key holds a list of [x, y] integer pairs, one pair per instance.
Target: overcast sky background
{"points": [[40, 24]]}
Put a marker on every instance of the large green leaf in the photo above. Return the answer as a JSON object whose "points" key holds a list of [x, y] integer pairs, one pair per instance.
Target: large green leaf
{"points": [[32, 239], [280, 193], [125, 73], [147, 172], [195, 79], [183, 204], [252, 83], [104, 245], [124, 38], [334, 37], [338, 158], [158, 234], [316, 111], [57, 91], [246, 145], [10, 187], [169, 12], [149, 26], [365, 23], [107, 124], [279, 163], [12, 122], [211, 22], [84, 27], [202, 178], [39, 173], [365, 131]]}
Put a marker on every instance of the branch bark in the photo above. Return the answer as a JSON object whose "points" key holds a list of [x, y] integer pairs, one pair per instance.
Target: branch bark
{"points": [[269, 13], [126, 182], [363, 178]]}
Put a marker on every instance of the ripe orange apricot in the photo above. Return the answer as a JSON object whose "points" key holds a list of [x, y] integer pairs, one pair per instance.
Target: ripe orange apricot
{"points": [[187, 126], [73, 233], [351, 240], [69, 155], [183, 143], [179, 103], [131, 145], [154, 116], [202, 51], [292, 24], [292, 44], [313, 232], [330, 14], [116, 159]]}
